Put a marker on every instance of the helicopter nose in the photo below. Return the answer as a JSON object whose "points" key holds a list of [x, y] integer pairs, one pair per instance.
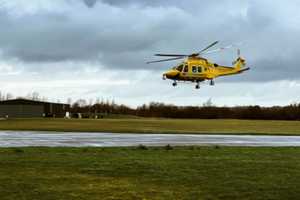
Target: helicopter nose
{"points": [[171, 74]]}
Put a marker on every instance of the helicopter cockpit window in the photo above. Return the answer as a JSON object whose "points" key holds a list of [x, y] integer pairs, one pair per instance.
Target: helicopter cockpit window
{"points": [[186, 68], [179, 68], [199, 69], [194, 69]]}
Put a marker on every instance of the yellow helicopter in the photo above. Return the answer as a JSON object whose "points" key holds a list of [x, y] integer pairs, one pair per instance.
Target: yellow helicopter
{"points": [[197, 69]]}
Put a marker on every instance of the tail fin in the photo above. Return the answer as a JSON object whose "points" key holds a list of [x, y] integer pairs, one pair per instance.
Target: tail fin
{"points": [[240, 62]]}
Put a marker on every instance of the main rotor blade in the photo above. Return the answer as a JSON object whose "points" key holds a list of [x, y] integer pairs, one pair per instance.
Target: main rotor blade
{"points": [[171, 55], [164, 60], [219, 49], [208, 47], [222, 48]]}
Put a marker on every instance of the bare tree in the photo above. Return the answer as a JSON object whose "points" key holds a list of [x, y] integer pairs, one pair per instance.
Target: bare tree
{"points": [[35, 96], [69, 101], [9, 96], [81, 102], [208, 103]]}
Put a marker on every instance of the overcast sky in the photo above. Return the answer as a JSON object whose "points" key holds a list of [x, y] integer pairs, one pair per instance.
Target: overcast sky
{"points": [[98, 48]]}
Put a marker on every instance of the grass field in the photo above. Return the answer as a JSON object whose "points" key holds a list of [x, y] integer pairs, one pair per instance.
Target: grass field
{"points": [[141, 125], [155, 173]]}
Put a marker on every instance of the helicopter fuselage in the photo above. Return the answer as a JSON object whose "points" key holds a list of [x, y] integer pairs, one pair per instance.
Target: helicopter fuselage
{"points": [[198, 69]]}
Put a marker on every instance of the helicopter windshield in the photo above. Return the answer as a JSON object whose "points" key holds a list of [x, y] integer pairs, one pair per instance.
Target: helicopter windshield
{"points": [[179, 68]]}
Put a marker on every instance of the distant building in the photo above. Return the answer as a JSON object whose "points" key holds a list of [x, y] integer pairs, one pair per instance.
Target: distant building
{"points": [[24, 108]]}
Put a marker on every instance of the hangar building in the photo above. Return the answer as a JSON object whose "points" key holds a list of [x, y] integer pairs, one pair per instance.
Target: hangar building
{"points": [[24, 108]]}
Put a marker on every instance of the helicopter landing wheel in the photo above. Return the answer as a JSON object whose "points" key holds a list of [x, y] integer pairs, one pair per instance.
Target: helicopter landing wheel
{"points": [[174, 84], [212, 82], [198, 85]]}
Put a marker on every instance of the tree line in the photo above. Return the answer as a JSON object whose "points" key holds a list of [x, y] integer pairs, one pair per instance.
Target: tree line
{"points": [[206, 111]]}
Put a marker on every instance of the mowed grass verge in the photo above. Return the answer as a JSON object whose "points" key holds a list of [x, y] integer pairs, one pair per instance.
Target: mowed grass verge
{"points": [[154, 173], [142, 125]]}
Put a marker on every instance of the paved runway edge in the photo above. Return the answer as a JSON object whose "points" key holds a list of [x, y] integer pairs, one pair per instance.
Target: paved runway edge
{"points": [[58, 139]]}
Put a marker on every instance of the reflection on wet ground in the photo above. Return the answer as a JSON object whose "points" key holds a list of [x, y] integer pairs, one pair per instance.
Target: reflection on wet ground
{"points": [[47, 139]]}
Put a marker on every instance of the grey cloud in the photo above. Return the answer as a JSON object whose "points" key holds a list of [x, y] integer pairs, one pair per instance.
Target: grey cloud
{"points": [[142, 2], [56, 37], [121, 36], [189, 5], [90, 3]]}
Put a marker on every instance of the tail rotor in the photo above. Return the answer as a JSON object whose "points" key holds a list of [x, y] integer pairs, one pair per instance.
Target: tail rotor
{"points": [[239, 58]]}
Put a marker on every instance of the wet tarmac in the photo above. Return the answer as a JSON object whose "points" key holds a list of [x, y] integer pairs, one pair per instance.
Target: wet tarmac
{"points": [[57, 139]]}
